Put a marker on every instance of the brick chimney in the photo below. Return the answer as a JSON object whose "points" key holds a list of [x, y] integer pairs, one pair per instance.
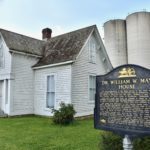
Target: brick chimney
{"points": [[46, 34]]}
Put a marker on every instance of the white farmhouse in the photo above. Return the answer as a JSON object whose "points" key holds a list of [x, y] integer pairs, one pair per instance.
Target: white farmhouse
{"points": [[37, 75]]}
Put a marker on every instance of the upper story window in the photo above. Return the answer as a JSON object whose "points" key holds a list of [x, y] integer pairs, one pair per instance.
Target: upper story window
{"points": [[1, 55], [92, 51]]}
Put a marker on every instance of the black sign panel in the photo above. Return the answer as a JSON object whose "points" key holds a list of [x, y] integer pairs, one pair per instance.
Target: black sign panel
{"points": [[123, 101]]}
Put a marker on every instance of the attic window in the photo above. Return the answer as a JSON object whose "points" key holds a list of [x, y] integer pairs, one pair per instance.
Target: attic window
{"points": [[92, 51]]}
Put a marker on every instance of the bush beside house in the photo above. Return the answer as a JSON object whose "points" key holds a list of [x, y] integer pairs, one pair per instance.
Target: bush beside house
{"points": [[65, 115]]}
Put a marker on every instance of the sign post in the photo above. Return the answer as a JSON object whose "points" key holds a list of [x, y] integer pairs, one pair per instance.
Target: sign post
{"points": [[122, 102], [127, 143]]}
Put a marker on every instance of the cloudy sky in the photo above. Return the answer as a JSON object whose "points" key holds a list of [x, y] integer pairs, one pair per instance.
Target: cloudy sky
{"points": [[29, 17]]}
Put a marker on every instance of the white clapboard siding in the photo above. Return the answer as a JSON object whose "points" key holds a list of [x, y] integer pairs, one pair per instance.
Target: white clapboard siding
{"points": [[22, 84], [81, 70], [62, 88], [6, 69], [5, 76]]}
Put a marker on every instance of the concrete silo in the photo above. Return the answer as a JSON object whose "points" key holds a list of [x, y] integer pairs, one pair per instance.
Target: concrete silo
{"points": [[138, 38], [115, 41]]}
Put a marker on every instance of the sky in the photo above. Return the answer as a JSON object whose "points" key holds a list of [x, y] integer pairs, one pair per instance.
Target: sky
{"points": [[29, 17]]}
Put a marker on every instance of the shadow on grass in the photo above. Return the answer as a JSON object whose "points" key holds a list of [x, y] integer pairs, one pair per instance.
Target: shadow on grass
{"points": [[75, 123]]}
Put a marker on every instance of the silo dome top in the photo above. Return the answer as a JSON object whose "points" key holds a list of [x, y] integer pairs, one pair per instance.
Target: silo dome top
{"points": [[138, 13], [114, 20]]}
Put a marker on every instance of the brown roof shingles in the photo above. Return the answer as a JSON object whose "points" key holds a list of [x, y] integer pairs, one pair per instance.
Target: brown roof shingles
{"points": [[58, 49], [22, 43], [65, 47]]}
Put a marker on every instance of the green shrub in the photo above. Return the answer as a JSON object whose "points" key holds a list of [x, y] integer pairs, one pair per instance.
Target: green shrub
{"points": [[111, 141], [65, 115], [142, 143]]}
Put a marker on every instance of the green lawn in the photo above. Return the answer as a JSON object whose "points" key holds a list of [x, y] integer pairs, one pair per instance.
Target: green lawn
{"points": [[37, 133]]}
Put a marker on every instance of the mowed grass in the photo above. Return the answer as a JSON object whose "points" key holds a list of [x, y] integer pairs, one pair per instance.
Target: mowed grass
{"points": [[39, 133]]}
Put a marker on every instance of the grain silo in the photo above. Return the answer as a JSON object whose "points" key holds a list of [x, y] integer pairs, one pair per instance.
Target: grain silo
{"points": [[115, 41], [138, 38]]}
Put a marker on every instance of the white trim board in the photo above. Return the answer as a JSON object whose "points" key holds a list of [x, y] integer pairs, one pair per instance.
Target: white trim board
{"points": [[53, 65], [23, 53]]}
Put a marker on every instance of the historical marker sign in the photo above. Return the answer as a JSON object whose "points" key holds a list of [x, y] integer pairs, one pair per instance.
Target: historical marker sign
{"points": [[123, 101]]}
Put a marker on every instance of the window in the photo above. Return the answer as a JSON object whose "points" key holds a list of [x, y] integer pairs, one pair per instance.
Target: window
{"points": [[1, 56], [92, 87], [92, 52], [50, 91]]}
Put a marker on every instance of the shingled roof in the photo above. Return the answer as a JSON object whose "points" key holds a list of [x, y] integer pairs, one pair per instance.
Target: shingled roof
{"points": [[22, 43], [58, 49], [65, 47]]}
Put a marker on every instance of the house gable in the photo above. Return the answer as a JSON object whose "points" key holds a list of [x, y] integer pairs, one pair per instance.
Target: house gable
{"points": [[5, 56], [20, 54], [95, 38], [82, 68]]}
